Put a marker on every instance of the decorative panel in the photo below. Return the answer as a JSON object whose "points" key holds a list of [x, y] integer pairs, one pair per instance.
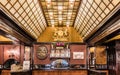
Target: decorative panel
{"points": [[27, 14], [92, 14], [49, 35], [60, 12]]}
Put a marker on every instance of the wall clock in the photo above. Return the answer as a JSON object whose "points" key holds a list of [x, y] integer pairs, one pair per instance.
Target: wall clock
{"points": [[42, 52]]}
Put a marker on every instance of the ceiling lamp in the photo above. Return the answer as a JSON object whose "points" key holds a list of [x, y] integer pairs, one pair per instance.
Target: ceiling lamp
{"points": [[51, 17], [71, 5], [53, 25], [60, 12], [69, 13], [48, 5], [60, 21], [51, 13], [67, 23], [69, 17], [52, 22], [60, 8], [48, 1], [60, 18], [71, 1]]}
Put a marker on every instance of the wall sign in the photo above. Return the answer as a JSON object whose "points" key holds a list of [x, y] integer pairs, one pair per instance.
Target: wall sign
{"points": [[78, 55]]}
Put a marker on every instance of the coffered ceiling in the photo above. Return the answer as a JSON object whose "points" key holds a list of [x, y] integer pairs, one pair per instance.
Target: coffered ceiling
{"points": [[86, 16], [27, 14], [92, 14], [60, 12]]}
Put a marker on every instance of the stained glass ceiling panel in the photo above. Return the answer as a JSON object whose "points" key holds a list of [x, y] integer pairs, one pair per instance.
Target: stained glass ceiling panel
{"points": [[27, 14], [86, 16], [60, 13], [92, 14]]}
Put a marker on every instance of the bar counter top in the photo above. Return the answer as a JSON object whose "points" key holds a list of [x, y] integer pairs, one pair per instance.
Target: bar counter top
{"points": [[60, 69]]}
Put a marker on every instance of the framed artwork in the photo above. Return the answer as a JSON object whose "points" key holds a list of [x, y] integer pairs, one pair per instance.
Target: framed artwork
{"points": [[42, 52], [78, 55]]}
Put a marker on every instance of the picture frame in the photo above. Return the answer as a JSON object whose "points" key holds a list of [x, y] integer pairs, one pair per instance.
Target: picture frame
{"points": [[78, 55]]}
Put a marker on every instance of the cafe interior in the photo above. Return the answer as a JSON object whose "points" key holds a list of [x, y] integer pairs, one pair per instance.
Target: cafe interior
{"points": [[59, 37]]}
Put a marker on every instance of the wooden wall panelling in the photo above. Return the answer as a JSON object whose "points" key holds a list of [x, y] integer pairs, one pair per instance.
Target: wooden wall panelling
{"points": [[39, 72], [18, 51], [1, 54], [101, 55], [117, 68], [21, 54], [117, 47], [67, 72], [53, 72], [59, 72], [77, 48], [5, 72], [12, 49], [45, 72], [78, 72]]}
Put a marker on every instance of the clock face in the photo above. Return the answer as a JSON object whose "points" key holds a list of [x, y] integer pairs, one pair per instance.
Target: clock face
{"points": [[42, 52]]}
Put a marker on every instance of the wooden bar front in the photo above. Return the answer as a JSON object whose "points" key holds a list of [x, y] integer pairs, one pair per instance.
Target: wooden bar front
{"points": [[59, 72]]}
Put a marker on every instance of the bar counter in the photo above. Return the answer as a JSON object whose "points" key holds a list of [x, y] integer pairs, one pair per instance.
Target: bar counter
{"points": [[98, 72], [8, 72], [48, 72], [22, 73], [60, 72], [57, 72]]}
